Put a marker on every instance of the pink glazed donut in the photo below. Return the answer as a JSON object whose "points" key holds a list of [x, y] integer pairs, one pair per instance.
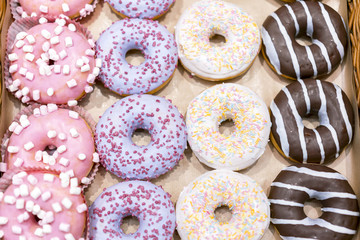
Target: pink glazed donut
{"points": [[53, 138], [52, 62], [38, 205], [69, 8]]}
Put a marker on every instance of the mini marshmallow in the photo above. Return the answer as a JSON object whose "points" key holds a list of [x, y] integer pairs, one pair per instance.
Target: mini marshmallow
{"points": [[52, 107], [43, 110], [96, 71], [18, 162], [49, 217], [18, 94], [60, 21], [62, 136], [45, 57], [13, 68], [82, 156], [91, 78], [57, 69], [3, 220], [49, 177], [17, 192], [56, 207], [74, 182], [12, 88], [51, 134], [29, 76], [75, 191], [36, 112], [55, 238], [35, 193], [13, 57], [79, 63], [25, 99], [85, 68], [30, 39], [13, 125], [67, 203], [23, 71], [96, 158], [91, 42], [25, 91], [47, 228], [19, 44], [85, 180], [18, 129], [74, 133], [24, 121], [24, 190], [2, 233], [29, 205], [55, 40], [72, 27], [72, 103], [20, 203], [89, 52], [21, 35], [45, 158], [63, 54], [9, 199], [21, 174], [44, 9], [38, 156], [16, 229], [61, 149], [46, 34], [52, 160], [73, 114], [17, 83], [89, 89], [85, 59], [30, 57], [39, 232], [32, 180], [28, 48], [65, 7], [66, 69], [13, 149], [58, 30], [36, 209], [98, 62], [50, 92], [46, 196], [46, 46], [64, 227], [17, 181], [43, 20], [71, 83], [29, 145], [82, 12], [68, 42], [70, 173]]}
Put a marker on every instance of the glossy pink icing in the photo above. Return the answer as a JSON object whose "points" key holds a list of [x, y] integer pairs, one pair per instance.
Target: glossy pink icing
{"points": [[60, 83], [55, 7], [75, 215], [37, 132]]}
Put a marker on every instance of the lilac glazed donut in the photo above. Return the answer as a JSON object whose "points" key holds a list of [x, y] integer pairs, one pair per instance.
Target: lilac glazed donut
{"points": [[121, 156], [140, 8], [144, 200], [156, 43]]}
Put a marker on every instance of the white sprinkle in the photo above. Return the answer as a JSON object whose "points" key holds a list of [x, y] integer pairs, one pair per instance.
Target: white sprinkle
{"points": [[57, 207], [61, 149], [46, 196], [28, 48], [64, 227], [49, 177], [35, 193], [82, 156], [50, 92], [85, 68], [16, 229], [13, 57], [13, 149], [43, 20], [71, 83], [30, 39], [29, 76], [29, 205], [13, 68], [32, 179], [58, 30], [3, 220], [39, 232], [19, 43], [20, 203], [66, 69], [55, 40], [46, 34], [28, 146], [68, 42], [44, 9], [18, 162], [72, 27], [96, 158]]}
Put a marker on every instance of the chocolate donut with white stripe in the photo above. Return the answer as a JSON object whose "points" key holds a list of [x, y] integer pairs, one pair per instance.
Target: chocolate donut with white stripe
{"points": [[322, 24], [304, 98], [298, 183]]}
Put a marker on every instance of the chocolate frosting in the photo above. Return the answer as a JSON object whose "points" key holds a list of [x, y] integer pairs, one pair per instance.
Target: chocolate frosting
{"points": [[316, 20], [301, 182]]}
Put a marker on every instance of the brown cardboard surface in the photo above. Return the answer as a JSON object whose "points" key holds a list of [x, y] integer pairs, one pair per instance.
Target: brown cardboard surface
{"points": [[183, 88]]}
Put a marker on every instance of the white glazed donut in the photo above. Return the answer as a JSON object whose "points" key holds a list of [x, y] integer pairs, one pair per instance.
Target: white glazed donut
{"points": [[252, 126], [203, 20], [247, 201]]}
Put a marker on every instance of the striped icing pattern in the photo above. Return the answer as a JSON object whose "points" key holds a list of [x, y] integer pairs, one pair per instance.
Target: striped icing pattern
{"points": [[322, 99], [315, 20], [298, 183]]}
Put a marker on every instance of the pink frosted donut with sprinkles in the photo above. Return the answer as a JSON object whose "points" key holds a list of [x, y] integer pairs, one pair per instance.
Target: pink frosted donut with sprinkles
{"points": [[52, 62], [149, 9], [195, 217], [39, 205], [68, 8], [155, 42], [203, 20], [150, 204], [251, 119], [53, 138], [121, 156]]}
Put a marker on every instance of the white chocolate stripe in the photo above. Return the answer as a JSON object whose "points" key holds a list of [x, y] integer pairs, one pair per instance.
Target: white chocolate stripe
{"points": [[341, 211], [280, 128], [291, 11], [285, 203], [324, 53], [324, 118], [309, 22], [313, 193], [288, 44], [333, 33], [312, 60], [343, 111], [295, 238], [311, 222], [308, 171], [299, 124], [321, 146], [270, 50], [306, 96]]}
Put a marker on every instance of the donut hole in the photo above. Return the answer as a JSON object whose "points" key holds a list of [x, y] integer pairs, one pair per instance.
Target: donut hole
{"points": [[217, 40], [304, 40], [50, 149], [129, 224], [223, 214], [141, 137], [227, 127], [312, 208], [311, 121], [135, 57]]}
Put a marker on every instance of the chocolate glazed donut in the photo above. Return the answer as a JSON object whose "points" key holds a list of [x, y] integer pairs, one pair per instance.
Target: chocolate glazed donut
{"points": [[321, 23], [298, 183], [311, 97]]}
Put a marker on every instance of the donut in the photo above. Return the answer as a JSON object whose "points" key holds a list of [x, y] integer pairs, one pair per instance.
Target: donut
{"points": [[140, 8], [250, 117], [305, 98], [150, 204], [322, 24], [247, 201], [53, 138], [203, 20], [121, 156], [71, 9], [299, 183], [155, 42], [39, 205], [53, 62]]}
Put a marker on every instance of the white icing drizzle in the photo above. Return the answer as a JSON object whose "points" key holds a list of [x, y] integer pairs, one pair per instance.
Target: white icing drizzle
{"points": [[341, 211], [333, 33], [299, 124], [324, 53], [312, 60], [343, 111], [321, 146], [319, 195], [280, 128], [310, 172], [285, 203], [270, 50], [324, 118], [288, 44], [306, 96], [291, 11], [311, 222], [309, 22]]}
